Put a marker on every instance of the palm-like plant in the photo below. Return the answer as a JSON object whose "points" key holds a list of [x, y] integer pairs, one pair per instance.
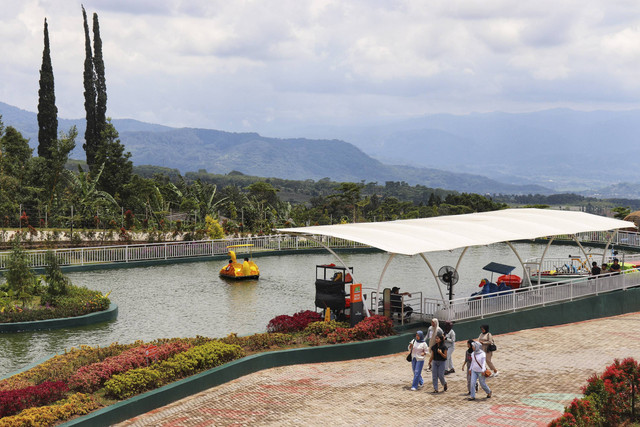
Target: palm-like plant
{"points": [[84, 193]]}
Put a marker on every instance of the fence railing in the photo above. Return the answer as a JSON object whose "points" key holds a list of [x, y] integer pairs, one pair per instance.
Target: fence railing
{"points": [[174, 250], [540, 295]]}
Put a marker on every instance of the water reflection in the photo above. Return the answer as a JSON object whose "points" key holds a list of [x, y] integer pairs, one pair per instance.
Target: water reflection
{"points": [[190, 299]]}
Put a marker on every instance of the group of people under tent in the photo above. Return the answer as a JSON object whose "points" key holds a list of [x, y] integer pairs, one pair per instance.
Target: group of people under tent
{"points": [[439, 344], [614, 268]]}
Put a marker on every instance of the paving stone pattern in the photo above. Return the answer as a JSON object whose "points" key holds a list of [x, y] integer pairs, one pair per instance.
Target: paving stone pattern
{"points": [[541, 370]]}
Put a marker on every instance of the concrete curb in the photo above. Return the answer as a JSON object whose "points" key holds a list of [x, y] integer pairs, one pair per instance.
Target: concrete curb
{"points": [[68, 322]]}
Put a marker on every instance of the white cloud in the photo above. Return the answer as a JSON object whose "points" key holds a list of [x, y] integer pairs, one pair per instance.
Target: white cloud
{"points": [[236, 64]]}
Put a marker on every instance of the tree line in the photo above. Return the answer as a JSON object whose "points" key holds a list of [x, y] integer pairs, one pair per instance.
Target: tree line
{"points": [[104, 192]]}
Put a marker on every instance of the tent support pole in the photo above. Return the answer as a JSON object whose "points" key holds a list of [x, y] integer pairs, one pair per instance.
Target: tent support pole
{"points": [[435, 276], [464, 251], [604, 252], [519, 259], [366, 310], [384, 270], [586, 257], [542, 259]]}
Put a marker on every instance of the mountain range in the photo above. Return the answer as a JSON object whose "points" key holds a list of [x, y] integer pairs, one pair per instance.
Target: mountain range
{"points": [[544, 152]]}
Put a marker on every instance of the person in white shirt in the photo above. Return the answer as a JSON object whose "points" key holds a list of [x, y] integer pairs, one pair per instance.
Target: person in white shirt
{"points": [[450, 342], [418, 350], [478, 366]]}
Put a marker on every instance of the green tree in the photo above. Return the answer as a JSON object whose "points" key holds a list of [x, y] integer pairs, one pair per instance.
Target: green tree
{"points": [[90, 135], [100, 82], [84, 194], [14, 154], [20, 278], [117, 166], [58, 283], [621, 212], [47, 110]]}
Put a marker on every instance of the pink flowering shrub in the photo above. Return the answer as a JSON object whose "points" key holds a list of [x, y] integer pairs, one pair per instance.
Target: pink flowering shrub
{"points": [[14, 401], [295, 323], [91, 377]]}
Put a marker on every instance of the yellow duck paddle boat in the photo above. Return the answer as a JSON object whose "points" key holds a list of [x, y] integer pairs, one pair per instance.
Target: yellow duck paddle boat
{"points": [[239, 270]]}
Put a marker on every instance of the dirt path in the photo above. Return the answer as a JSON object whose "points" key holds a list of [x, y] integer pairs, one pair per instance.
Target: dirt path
{"points": [[541, 370]]}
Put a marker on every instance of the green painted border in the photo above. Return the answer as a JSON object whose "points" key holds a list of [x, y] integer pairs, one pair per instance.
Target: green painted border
{"points": [[68, 322], [605, 305]]}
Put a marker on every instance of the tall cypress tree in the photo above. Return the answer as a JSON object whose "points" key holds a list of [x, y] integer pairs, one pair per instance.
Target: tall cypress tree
{"points": [[91, 142], [100, 81], [47, 110]]}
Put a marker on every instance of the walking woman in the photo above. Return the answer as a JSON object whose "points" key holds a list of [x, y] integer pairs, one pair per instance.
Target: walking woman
{"points": [[467, 363], [450, 342], [418, 352], [433, 330], [478, 366], [486, 339], [437, 361]]}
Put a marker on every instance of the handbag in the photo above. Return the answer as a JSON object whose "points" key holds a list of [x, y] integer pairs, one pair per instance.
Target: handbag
{"points": [[409, 358], [487, 372], [492, 347]]}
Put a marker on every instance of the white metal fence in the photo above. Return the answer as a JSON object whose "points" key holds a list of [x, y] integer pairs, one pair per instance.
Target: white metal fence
{"points": [[174, 250], [540, 295]]}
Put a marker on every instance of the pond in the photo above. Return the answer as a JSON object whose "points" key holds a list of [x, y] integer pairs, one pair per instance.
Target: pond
{"points": [[189, 299]]}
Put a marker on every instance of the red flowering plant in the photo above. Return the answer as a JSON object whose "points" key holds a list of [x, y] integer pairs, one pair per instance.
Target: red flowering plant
{"points": [[90, 378], [580, 412], [24, 219], [14, 401], [609, 398], [128, 219], [618, 388], [295, 323]]}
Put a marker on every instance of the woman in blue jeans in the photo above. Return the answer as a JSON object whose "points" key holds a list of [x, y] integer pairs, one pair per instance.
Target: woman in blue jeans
{"points": [[478, 366], [437, 362], [418, 352]]}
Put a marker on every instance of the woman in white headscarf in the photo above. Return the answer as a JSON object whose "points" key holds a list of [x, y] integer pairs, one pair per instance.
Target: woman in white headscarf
{"points": [[433, 330], [478, 366]]}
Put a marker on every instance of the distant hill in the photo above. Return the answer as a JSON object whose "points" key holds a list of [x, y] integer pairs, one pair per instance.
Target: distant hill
{"points": [[216, 151], [564, 149]]}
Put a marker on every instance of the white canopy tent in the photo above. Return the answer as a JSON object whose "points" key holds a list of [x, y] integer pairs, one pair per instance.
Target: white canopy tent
{"points": [[423, 235]]}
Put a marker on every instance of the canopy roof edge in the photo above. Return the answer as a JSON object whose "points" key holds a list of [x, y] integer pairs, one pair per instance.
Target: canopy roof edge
{"points": [[415, 236]]}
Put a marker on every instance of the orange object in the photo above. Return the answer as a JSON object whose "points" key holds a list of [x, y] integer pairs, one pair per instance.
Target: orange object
{"points": [[511, 280], [356, 292]]}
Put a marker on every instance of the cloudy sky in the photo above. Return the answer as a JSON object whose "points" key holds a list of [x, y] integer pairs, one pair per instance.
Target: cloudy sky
{"points": [[247, 65]]}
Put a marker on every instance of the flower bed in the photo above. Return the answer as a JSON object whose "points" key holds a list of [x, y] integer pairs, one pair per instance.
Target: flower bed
{"points": [[91, 377], [77, 404], [120, 371], [14, 401]]}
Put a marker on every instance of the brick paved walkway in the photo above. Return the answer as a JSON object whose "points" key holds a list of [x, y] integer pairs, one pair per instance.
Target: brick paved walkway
{"points": [[541, 370]]}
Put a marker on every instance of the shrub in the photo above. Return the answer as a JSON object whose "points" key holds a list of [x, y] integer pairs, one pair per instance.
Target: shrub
{"points": [[322, 328], [581, 413], [608, 397], [57, 281], [77, 302], [340, 335], [78, 404], [196, 359], [91, 377], [617, 381], [373, 327], [256, 342], [14, 401], [295, 323]]}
